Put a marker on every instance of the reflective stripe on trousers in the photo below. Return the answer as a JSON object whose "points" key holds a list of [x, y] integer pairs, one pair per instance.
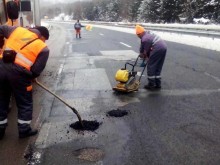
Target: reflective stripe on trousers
{"points": [[4, 122], [153, 77], [24, 122]]}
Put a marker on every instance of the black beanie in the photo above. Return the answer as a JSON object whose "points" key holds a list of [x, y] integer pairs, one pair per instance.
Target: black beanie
{"points": [[43, 31]]}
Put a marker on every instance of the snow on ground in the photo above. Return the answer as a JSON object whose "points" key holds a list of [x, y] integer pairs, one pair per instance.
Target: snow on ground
{"points": [[198, 41]]}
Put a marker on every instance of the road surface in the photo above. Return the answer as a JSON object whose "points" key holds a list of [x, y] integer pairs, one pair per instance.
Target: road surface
{"points": [[177, 125]]}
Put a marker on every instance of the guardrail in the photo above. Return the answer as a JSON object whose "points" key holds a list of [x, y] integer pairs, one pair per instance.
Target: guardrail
{"points": [[192, 29]]}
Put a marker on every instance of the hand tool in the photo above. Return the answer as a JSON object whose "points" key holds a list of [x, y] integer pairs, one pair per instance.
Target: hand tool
{"points": [[72, 108]]}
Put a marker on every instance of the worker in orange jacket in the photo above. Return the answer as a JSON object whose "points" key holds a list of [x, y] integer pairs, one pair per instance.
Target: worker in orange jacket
{"points": [[24, 57]]}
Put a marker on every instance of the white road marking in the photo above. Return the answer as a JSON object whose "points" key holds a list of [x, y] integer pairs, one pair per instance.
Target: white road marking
{"points": [[125, 44], [41, 141], [101, 34], [212, 76], [70, 48], [119, 54], [60, 69], [91, 79]]}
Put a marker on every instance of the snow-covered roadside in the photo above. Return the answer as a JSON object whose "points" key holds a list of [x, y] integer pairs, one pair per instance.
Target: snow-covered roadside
{"points": [[203, 42]]}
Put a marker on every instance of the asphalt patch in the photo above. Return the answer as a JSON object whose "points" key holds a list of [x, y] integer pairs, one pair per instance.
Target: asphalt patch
{"points": [[87, 125], [89, 154], [117, 113]]}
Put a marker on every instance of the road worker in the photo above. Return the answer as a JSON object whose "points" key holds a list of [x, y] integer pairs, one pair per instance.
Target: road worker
{"points": [[24, 57], [77, 27], [153, 49]]}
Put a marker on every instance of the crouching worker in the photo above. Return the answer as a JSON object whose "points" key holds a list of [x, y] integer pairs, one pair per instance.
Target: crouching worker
{"points": [[153, 49], [24, 57]]}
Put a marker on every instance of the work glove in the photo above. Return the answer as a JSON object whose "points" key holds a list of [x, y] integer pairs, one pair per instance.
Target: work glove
{"points": [[142, 55], [143, 63]]}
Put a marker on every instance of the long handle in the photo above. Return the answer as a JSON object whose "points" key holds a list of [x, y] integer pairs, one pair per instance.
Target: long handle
{"points": [[73, 109]]}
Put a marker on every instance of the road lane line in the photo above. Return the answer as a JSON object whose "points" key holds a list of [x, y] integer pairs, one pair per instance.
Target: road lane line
{"points": [[125, 44], [60, 69], [70, 48], [212, 76], [41, 141], [101, 34]]}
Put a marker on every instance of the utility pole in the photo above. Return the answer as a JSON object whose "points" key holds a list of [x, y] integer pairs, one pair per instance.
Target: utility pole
{"points": [[36, 12]]}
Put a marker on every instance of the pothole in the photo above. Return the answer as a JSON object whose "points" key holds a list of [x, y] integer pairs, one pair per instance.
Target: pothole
{"points": [[89, 154], [87, 125], [117, 113]]}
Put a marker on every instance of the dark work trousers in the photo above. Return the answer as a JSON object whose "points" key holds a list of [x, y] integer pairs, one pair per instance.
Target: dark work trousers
{"points": [[155, 64], [17, 80]]}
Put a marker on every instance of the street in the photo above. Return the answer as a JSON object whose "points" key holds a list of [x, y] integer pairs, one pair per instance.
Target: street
{"points": [[178, 125]]}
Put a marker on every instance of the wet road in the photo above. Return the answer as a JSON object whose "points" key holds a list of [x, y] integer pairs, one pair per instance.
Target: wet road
{"points": [[177, 125]]}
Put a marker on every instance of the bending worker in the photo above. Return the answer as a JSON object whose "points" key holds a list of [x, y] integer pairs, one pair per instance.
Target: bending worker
{"points": [[23, 59], [153, 49]]}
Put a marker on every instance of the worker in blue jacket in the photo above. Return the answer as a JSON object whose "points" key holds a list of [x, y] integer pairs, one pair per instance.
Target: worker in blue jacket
{"points": [[153, 49], [77, 27]]}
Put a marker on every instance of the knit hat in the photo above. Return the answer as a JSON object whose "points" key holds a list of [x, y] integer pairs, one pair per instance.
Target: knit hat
{"points": [[139, 29], [43, 31]]}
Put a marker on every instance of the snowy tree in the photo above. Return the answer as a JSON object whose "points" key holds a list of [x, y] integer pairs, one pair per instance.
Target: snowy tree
{"points": [[149, 11], [125, 9], [88, 11], [112, 13], [170, 10], [133, 10], [209, 9], [187, 11]]}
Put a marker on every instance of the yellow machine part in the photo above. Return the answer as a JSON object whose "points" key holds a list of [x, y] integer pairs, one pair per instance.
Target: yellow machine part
{"points": [[121, 87], [122, 75]]}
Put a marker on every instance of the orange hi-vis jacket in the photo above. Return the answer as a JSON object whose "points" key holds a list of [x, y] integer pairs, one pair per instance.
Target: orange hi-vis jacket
{"points": [[19, 38]]}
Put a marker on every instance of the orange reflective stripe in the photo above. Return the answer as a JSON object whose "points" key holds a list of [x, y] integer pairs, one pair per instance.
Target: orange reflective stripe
{"points": [[29, 88]]}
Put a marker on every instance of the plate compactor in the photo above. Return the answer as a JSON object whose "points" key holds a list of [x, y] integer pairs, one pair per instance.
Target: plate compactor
{"points": [[127, 79]]}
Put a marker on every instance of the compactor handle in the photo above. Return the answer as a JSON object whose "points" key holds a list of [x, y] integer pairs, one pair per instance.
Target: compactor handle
{"points": [[127, 63]]}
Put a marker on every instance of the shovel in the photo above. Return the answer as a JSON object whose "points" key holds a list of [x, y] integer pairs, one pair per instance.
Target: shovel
{"points": [[72, 108]]}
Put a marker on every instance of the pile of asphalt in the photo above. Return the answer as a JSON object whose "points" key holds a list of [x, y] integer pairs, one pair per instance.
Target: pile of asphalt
{"points": [[87, 125], [117, 113]]}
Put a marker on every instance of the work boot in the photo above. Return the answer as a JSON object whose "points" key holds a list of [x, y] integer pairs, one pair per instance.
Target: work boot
{"points": [[158, 83], [149, 86], [2, 133], [28, 133]]}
